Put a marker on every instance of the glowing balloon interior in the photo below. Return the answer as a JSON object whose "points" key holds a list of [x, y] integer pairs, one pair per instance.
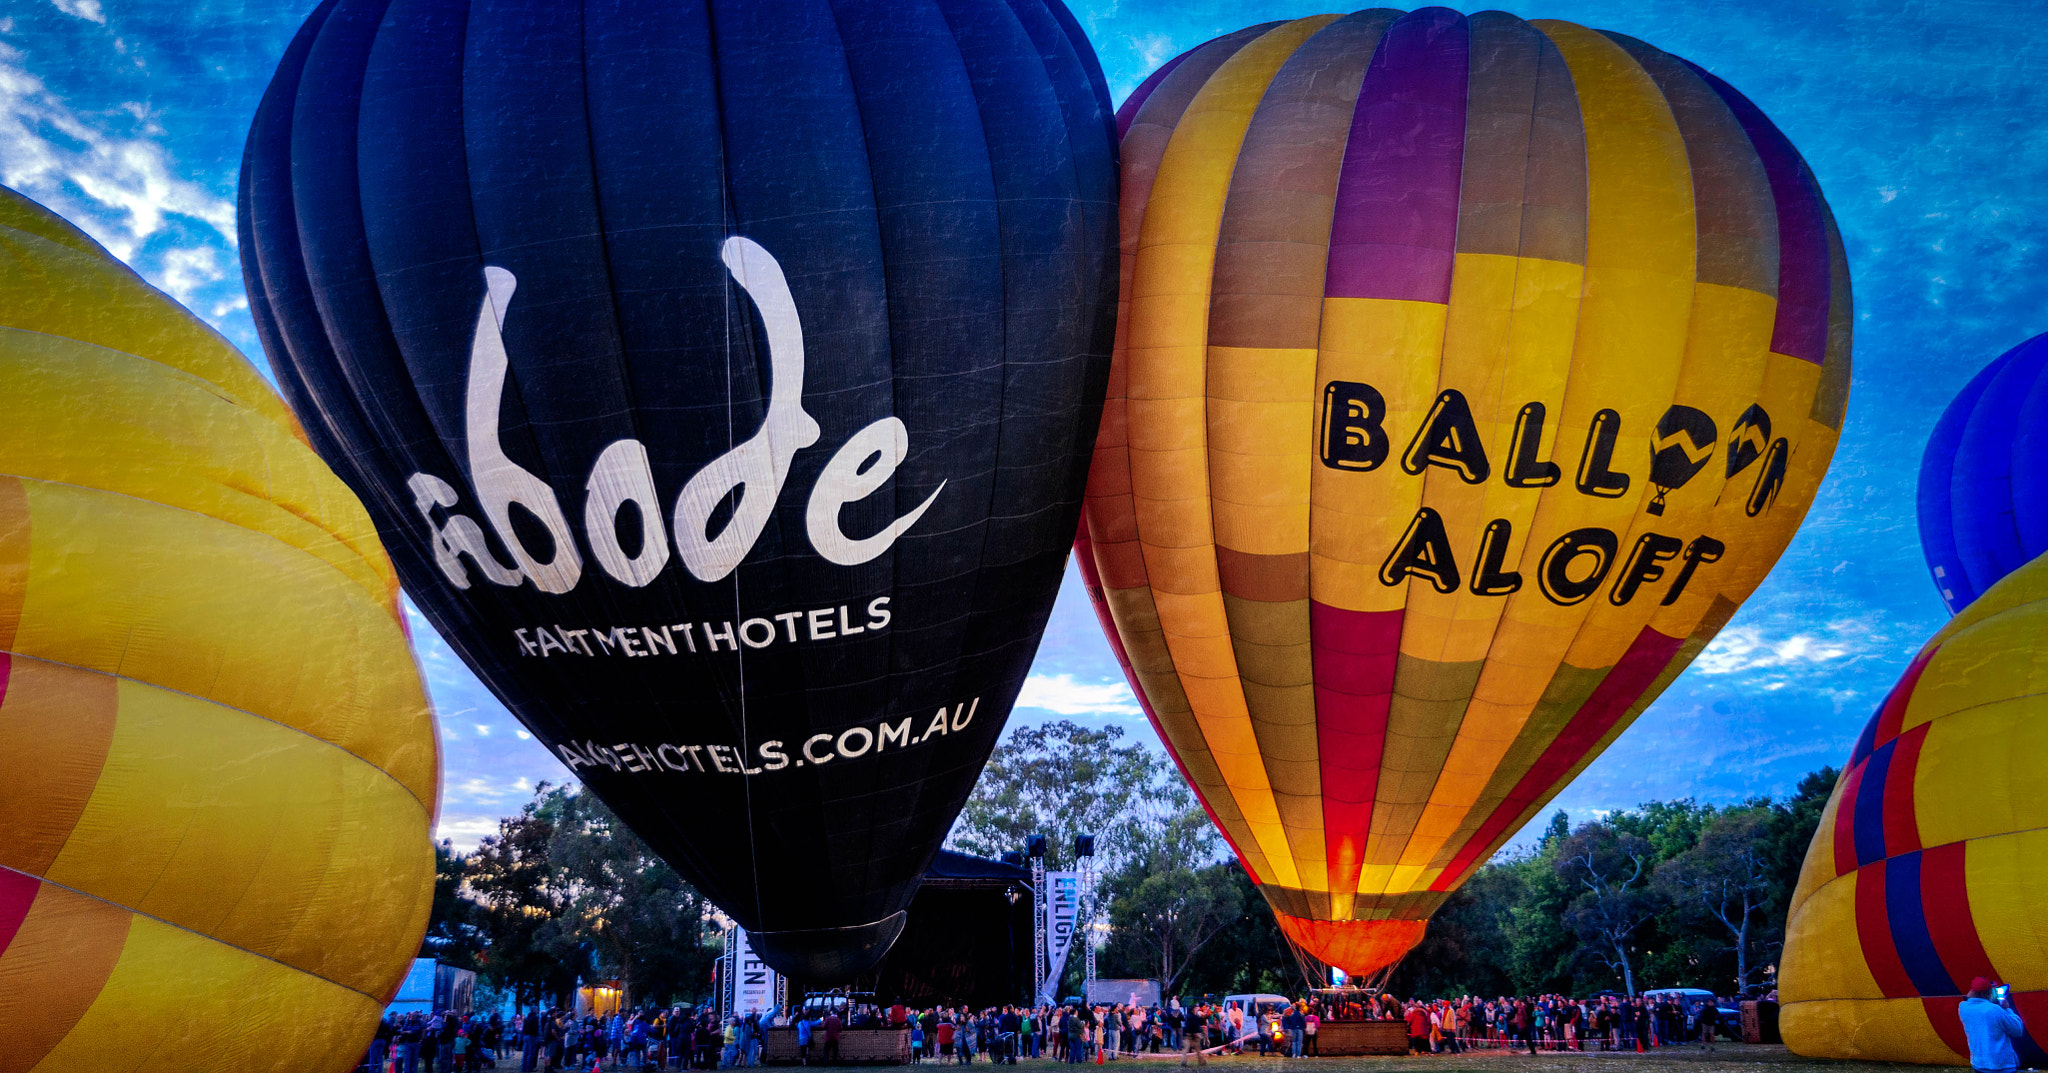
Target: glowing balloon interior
{"points": [[1470, 373], [218, 771]]}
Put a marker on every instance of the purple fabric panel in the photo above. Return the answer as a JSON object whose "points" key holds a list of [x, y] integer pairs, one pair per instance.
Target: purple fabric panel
{"points": [[1803, 271], [1396, 224], [1129, 112]]}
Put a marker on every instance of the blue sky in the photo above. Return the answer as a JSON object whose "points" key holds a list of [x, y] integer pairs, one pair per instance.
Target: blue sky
{"points": [[1921, 120]]}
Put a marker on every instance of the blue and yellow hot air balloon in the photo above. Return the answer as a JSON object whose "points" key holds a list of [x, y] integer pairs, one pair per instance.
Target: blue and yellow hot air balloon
{"points": [[1471, 372], [218, 770], [1930, 866]]}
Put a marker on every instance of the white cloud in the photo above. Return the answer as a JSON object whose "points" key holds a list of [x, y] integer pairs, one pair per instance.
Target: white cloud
{"points": [[89, 10], [1746, 648], [118, 187], [464, 831], [1153, 50], [1061, 695], [483, 730], [184, 270]]}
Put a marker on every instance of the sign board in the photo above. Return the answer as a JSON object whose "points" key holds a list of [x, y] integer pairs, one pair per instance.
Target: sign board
{"points": [[746, 983], [1062, 925]]}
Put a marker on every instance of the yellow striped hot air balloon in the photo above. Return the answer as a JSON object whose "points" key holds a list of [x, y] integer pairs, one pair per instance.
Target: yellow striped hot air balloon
{"points": [[218, 771], [1470, 373], [1930, 865]]}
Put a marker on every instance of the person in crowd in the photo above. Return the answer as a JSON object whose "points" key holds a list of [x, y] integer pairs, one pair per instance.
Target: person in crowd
{"points": [[1192, 1021], [1311, 1020], [833, 1027], [1991, 1027]]}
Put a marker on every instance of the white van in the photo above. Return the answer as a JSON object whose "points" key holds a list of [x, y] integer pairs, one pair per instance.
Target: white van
{"points": [[1253, 1006]]}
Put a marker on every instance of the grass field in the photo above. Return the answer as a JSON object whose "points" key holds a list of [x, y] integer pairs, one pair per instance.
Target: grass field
{"points": [[1724, 1058]]}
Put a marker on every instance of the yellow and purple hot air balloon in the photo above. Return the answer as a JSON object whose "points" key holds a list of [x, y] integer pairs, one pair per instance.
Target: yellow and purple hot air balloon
{"points": [[1470, 373], [218, 770]]}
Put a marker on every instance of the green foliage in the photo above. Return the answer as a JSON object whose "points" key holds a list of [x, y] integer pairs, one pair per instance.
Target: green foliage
{"points": [[563, 891], [1540, 921], [1062, 779]]}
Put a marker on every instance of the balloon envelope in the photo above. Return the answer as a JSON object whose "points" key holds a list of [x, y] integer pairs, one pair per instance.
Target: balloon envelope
{"points": [[218, 771], [1927, 868], [1402, 506], [722, 376], [1984, 476]]}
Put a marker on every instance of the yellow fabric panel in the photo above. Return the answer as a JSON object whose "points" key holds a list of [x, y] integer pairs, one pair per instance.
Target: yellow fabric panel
{"points": [[2007, 877], [1989, 661], [253, 833], [1819, 865], [1822, 959], [1754, 544], [1166, 365], [1890, 1030], [1980, 769], [1634, 318], [172, 603], [72, 406], [1507, 341], [1261, 408], [1355, 518], [59, 289], [177, 1001], [1138, 625]]}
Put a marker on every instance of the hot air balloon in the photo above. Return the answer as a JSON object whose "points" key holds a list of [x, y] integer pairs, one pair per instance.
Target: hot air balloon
{"points": [[218, 770], [722, 378], [1401, 509], [1927, 869], [1984, 476]]}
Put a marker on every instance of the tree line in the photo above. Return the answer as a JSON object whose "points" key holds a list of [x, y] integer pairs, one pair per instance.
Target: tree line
{"points": [[1669, 894]]}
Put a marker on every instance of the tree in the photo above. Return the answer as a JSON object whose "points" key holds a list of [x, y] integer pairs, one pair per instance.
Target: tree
{"points": [[1728, 876], [455, 933], [636, 918], [1167, 902], [1062, 779], [1611, 870]]}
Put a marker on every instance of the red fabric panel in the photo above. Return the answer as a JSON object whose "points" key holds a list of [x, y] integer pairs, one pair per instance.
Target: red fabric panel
{"points": [[1945, 900], [1874, 935], [1645, 659], [1901, 826], [17, 893], [1893, 714], [1845, 821], [1354, 654], [1948, 1024]]}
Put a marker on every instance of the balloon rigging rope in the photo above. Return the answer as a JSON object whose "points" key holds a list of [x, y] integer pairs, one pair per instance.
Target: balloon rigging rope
{"points": [[746, 781]]}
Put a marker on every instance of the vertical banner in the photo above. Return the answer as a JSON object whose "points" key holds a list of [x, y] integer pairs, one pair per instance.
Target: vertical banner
{"points": [[749, 985], [1062, 918]]}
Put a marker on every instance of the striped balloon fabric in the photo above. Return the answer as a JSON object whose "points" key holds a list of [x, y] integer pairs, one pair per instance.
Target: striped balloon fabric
{"points": [[218, 771], [1470, 373], [1928, 868]]}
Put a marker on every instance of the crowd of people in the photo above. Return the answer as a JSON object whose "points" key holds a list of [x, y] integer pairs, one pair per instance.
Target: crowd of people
{"points": [[680, 1038]]}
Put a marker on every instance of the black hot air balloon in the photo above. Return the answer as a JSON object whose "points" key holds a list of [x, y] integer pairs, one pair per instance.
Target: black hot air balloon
{"points": [[722, 377]]}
